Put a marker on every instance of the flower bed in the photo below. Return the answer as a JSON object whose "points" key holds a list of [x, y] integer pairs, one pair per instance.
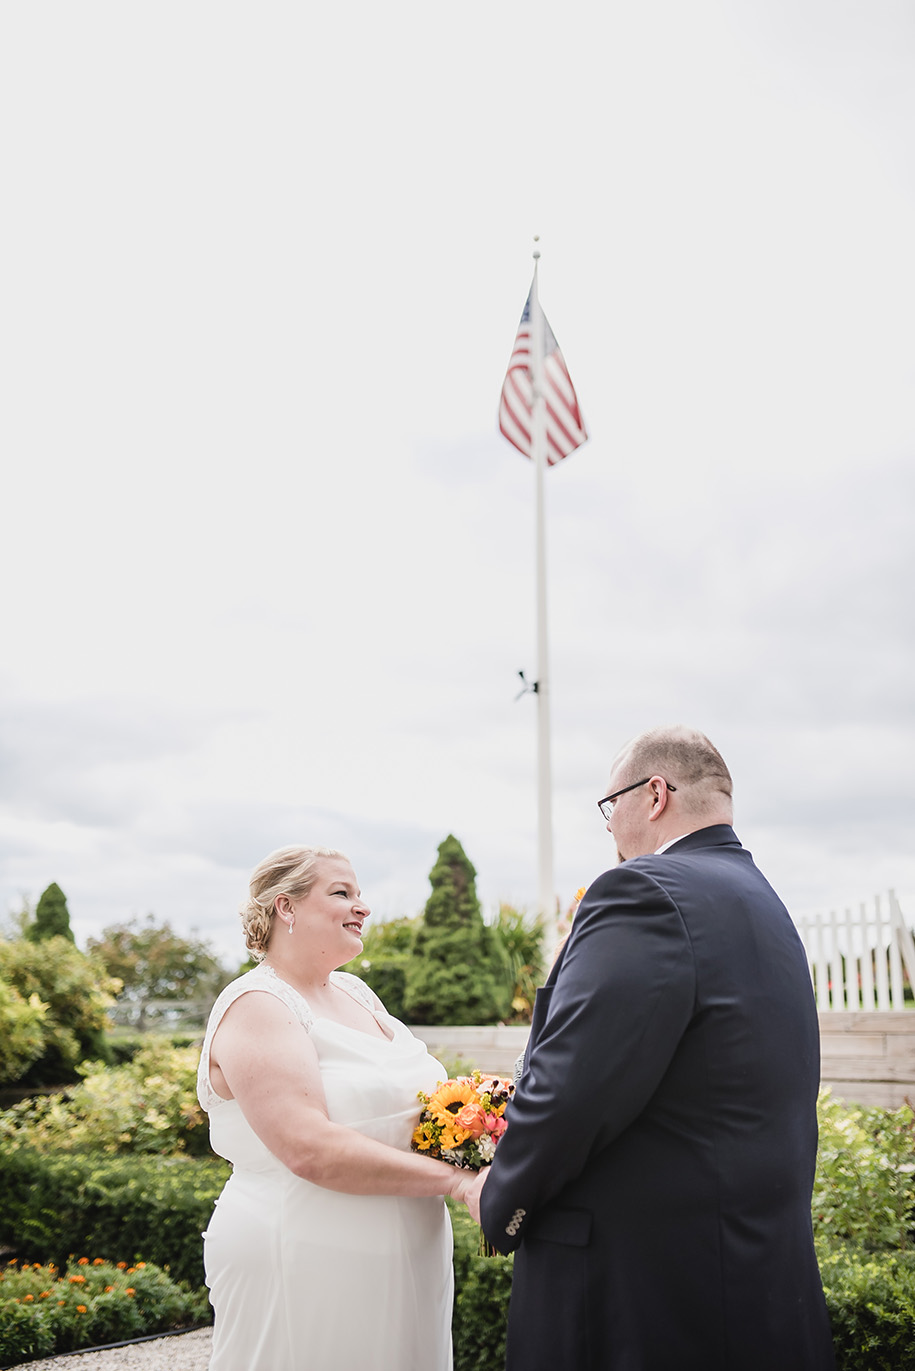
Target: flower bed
{"points": [[45, 1311]]}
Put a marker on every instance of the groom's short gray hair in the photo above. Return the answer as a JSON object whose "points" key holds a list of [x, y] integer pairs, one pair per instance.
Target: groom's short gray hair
{"points": [[684, 757]]}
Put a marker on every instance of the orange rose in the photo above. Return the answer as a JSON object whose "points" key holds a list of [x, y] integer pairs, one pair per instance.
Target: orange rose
{"points": [[471, 1119]]}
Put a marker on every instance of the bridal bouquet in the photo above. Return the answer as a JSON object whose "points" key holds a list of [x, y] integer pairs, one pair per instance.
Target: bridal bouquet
{"points": [[462, 1121]]}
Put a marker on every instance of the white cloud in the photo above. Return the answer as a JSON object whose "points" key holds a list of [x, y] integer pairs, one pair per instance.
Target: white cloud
{"points": [[269, 565]]}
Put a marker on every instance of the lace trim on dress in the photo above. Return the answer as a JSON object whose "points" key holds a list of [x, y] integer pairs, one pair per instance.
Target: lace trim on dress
{"points": [[261, 978], [264, 977], [358, 989]]}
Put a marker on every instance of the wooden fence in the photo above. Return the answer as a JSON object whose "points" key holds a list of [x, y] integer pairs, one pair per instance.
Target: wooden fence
{"points": [[860, 960]]}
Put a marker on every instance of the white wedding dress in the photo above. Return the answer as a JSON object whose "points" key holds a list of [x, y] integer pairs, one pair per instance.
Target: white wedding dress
{"points": [[307, 1279]]}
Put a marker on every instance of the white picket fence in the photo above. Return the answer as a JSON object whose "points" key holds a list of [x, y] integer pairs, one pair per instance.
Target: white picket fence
{"points": [[857, 959]]}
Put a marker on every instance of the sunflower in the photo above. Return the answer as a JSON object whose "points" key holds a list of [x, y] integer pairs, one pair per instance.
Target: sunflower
{"points": [[451, 1140], [449, 1099]]}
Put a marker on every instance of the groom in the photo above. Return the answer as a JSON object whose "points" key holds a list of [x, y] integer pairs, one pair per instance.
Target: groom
{"points": [[656, 1174]]}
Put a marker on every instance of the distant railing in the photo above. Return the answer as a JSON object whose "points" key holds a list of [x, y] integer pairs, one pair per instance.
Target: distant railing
{"points": [[860, 960]]}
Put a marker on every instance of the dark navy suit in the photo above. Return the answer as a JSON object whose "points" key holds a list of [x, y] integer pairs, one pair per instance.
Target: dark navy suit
{"points": [[656, 1173]]}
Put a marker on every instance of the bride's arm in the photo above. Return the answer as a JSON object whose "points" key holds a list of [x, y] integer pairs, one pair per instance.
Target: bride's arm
{"points": [[270, 1066]]}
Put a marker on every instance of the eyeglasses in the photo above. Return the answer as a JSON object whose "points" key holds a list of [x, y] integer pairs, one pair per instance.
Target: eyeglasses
{"points": [[606, 804]]}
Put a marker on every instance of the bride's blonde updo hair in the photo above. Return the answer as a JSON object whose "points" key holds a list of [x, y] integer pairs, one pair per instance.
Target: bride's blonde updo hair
{"points": [[288, 871]]}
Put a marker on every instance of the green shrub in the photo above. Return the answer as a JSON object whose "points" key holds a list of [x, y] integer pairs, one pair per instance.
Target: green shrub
{"points": [[77, 994], [125, 1043], [132, 1208], [147, 1105], [863, 1190], [44, 1309], [482, 1286], [26, 1333], [871, 1302], [22, 1031], [520, 939]]}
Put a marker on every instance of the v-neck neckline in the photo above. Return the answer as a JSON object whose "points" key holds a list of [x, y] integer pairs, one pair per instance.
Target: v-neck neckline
{"points": [[324, 1018]]}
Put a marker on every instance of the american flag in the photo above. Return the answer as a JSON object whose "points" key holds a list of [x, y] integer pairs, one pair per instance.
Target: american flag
{"points": [[565, 429]]}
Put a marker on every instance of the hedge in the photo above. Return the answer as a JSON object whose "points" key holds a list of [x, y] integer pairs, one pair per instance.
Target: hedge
{"points": [[127, 1208], [871, 1302]]}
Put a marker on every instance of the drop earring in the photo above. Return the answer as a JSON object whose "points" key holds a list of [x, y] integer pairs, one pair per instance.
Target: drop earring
{"points": [[291, 923]]}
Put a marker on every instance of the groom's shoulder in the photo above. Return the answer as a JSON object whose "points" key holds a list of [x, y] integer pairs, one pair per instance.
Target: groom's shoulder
{"points": [[635, 879]]}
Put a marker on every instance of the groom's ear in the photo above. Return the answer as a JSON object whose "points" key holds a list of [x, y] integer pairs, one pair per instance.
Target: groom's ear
{"points": [[658, 788]]}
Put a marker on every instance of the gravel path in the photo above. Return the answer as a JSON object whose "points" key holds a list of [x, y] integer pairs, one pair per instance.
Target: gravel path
{"points": [[183, 1352]]}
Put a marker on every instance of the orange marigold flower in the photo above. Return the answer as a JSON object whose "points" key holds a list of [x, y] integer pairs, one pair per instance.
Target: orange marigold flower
{"points": [[99, 1261], [77, 1280], [81, 1309], [130, 1270], [141, 1266], [122, 1266], [61, 1301], [45, 1294], [29, 1298], [130, 1290], [108, 1289]]}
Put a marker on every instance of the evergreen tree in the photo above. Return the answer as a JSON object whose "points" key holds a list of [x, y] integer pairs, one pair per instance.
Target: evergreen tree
{"points": [[457, 973], [52, 918]]}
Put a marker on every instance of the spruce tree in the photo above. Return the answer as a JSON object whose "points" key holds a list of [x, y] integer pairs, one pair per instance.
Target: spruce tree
{"points": [[456, 973], [52, 918]]}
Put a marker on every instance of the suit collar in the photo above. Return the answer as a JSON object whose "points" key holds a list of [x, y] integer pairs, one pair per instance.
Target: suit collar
{"points": [[716, 835]]}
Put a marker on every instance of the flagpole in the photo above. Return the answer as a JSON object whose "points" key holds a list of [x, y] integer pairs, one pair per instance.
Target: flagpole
{"points": [[546, 892]]}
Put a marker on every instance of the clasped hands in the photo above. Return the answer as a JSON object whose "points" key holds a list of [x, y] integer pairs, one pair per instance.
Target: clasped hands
{"points": [[468, 1188]]}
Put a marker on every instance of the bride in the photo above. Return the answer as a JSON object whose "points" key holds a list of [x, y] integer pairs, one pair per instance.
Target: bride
{"points": [[330, 1246]]}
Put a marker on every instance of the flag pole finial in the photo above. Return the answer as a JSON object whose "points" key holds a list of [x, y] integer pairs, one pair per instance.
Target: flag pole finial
{"points": [[536, 250]]}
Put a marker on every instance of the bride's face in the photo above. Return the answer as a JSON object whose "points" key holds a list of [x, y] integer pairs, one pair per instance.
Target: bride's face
{"points": [[329, 919]]}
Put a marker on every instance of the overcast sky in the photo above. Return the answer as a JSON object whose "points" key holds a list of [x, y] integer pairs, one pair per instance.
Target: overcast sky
{"points": [[268, 562]]}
